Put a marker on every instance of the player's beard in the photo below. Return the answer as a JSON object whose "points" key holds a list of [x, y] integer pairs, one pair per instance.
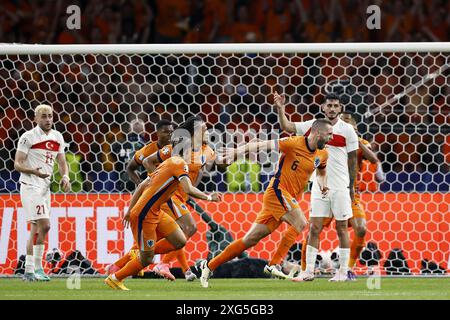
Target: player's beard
{"points": [[321, 144]]}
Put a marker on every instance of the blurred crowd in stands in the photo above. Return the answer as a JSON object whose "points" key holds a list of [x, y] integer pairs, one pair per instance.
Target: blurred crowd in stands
{"points": [[193, 21]]}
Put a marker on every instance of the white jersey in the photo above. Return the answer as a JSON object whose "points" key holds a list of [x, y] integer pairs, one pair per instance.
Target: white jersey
{"points": [[344, 141], [41, 150]]}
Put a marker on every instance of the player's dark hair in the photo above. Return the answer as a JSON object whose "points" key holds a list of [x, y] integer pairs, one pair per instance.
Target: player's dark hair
{"points": [[320, 124], [190, 123], [163, 122], [332, 96]]}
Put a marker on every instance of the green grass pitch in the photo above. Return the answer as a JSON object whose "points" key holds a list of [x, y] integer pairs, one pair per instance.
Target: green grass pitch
{"points": [[229, 289]]}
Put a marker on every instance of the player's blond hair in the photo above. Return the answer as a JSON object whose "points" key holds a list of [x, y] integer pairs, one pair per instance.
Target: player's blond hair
{"points": [[41, 108]]}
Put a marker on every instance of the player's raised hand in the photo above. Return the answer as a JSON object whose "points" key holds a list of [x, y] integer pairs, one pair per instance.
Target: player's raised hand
{"points": [[279, 101], [215, 196], [40, 174], [65, 183], [226, 155]]}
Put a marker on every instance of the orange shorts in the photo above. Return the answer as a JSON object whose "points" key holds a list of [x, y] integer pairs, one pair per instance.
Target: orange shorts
{"points": [[175, 207], [276, 202], [147, 233]]}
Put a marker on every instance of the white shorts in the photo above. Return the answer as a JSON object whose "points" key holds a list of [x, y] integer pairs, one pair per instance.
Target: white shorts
{"points": [[336, 203], [35, 202]]}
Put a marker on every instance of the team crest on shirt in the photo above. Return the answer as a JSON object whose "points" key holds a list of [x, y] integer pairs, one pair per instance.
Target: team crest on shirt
{"points": [[150, 243], [294, 201], [186, 168], [183, 207], [316, 162], [165, 151]]}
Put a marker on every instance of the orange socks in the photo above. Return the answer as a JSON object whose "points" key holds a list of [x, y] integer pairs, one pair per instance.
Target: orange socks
{"points": [[123, 261], [285, 244], [304, 245], [132, 267], [180, 255], [358, 244], [163, 246], [233, 250]]}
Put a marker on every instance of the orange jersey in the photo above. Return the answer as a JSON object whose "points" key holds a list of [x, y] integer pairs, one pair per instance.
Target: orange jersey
{"points": [[165, 181], [296, 165], [145, 151], [360, 158], [198, 160]]}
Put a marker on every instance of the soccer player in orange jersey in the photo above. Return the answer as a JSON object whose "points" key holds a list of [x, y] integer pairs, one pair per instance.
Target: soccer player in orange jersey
{"points": [[358, 221], [176, 207], [148, 222], [300, 157], [164, 129]]}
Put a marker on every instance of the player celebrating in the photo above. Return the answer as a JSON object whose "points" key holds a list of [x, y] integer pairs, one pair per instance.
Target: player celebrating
{"points": [[342, 150], [35, 158], [164, 129], [148, 222], [358, 221], [300, 157], [176, 207]]}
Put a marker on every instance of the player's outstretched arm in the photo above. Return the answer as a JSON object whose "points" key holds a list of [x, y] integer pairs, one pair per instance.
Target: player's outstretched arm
{"points": [[63, 171], [132, 166], [230, 154], [19, 165], [194, 192], [286, 125], [151, 162]]}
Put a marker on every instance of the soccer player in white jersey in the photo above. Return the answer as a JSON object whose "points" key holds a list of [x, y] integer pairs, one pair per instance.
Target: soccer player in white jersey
{"points": [[35, 157], [341, 175]]}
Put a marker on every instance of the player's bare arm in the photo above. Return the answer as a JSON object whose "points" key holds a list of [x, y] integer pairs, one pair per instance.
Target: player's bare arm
{"points": [[151, 162], [368, 154], [134, 199], [63, 171], [132, 167], [196, 193], [352, 161], [19, 165], [322, 180], [279, 102]]}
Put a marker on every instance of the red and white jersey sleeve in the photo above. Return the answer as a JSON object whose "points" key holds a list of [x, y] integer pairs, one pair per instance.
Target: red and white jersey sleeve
{"points": [[41, 150]]}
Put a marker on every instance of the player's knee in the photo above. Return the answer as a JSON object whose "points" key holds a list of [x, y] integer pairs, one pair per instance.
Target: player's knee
{"points": [[251, 240], [314, 230], [360, 231], [341, 229], [44, 229]]}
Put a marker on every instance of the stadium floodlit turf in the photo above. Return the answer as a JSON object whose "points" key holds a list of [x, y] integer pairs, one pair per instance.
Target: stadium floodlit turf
{"points": [[229, 289]]}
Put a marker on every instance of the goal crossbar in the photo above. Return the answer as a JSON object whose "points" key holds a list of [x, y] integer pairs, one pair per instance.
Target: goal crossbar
{"points": [[224, 48]]}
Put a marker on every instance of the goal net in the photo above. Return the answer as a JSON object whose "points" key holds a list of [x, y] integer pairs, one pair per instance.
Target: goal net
{"points": [[108, 99]]}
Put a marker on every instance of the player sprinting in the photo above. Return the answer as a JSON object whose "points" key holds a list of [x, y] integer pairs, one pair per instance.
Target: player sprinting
{"points": [[164, 129], [149, 223], [300, 157], [358, 221], [202, 155], [35, 157], [342, 149]]}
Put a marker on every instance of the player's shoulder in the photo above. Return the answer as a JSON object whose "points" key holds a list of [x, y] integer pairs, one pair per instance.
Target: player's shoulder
{"points": [[58, 135], [344, 128]]}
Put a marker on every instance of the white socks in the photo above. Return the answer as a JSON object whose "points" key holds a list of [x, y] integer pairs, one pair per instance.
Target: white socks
{"points": [[38, 252], [311, 255], [344, 257], [29, 264]]}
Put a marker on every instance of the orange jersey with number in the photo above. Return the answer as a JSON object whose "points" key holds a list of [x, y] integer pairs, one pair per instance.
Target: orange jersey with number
{"points": [[165, 181], [296, 164], [198, 160], [145, 151]]}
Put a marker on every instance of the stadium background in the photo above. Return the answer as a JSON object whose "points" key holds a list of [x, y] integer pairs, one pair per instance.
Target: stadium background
{"points": [[97, 98]]}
